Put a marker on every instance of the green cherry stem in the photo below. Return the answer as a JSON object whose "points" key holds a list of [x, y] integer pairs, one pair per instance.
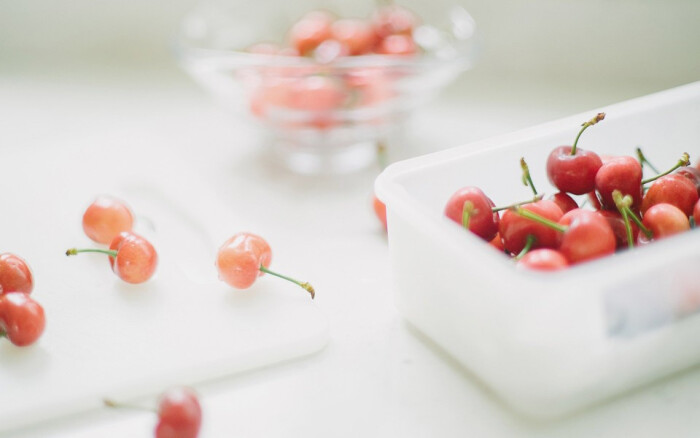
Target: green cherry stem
{"points": [[306, 286], [529, 241], [467, 210], [684, 161], [527, 179], [623, 203], [542, 220], [75, 251], [593, 121], [632, 215], [518, 204], [643, 160], [113, 404]]}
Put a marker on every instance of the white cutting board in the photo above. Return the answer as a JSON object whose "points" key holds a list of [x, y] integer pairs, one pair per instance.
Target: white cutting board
{"points": [[105, 338]]}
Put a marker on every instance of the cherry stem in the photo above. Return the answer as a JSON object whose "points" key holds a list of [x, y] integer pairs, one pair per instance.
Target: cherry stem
{"points": [[467, 210], [593, 121], [684, 161], [527, 179], [623, 204], [518, 204], [643, 160], [305, 286], [75, 251], [114, 404], [527, 214], [529, 241], [639, 223], [2, 334]]}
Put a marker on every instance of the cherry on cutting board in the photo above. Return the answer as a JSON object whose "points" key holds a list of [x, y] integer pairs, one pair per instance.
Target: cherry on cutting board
{"points": [[246, 256], [15, 274], [105, 218], [131, 256]]}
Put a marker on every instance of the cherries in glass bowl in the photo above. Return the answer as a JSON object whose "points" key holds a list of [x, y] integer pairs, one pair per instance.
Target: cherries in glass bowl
{"points": [[327, 82]]}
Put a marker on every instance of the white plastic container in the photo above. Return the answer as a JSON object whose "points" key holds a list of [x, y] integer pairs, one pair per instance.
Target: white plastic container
{"points": [[548, 343]]}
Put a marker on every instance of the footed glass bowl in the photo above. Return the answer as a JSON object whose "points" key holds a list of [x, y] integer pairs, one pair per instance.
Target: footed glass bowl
{"points": [[325, 111]]}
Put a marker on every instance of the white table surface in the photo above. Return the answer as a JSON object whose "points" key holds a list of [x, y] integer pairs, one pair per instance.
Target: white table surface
{"points": [[377, 376]]}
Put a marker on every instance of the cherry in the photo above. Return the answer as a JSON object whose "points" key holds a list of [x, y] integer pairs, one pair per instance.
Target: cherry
{"points": [[515, 229], [397, 45], [15, 274], [393, 20], [179, 413], [574, 170], [472, 209], [665, 220], [310, 31], [131, 256], [620, 173], [672, 189], [244, 257], [564, 201], [543, 259], [22, 319], [105, 218], [696, 213], [357, 35], [617, 223], [693, 175], [379, 210], [588, 236]]}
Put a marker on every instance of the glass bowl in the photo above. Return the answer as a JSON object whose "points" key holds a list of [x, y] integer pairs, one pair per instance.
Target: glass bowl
{"points": [[321, 114]]}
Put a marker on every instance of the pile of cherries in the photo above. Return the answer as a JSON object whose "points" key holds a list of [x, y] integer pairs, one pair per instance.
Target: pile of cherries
{"points": [[553, 233], [314, 87]]}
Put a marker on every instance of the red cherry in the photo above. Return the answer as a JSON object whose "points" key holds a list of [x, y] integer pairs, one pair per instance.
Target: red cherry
{"points": [[671, 189], [665, 220], [179, 414], [573, 173], [131, 256], [15, 274], [393, 20], [482, 221], [21, 318], [617, 223], [564, 201], [696, 213], [623, 174], [571, 169], [379, 210], [543, 259], [135, 260], [357, 35], [310, 31], [244, 257], [397, 45], [105, 218], [587, 237], [514, 228], [693, 175]]}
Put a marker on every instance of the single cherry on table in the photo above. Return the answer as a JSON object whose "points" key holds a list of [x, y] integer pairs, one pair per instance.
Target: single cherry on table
{"points": [[22, 319], [131, 256], [179, 413], [244, 257]]}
